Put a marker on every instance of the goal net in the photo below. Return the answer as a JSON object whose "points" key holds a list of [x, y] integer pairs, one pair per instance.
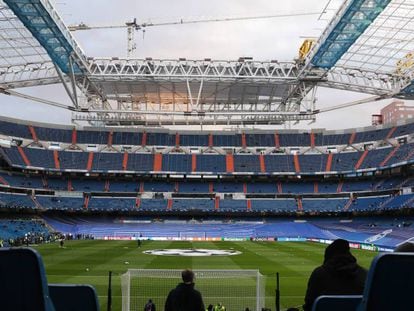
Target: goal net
{"points": [[235, 289]]}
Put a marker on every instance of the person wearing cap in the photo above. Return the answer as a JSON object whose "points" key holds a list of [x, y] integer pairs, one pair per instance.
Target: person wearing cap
{"points": [[184, 297], [338, 275]]}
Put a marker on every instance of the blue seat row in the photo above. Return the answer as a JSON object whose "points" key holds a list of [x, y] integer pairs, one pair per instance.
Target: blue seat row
{"points": [[190, 186], [125, 204], [67, 134], [205, 163]]}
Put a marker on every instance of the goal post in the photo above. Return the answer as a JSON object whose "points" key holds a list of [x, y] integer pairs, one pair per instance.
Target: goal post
{"points": [[235, 289]]}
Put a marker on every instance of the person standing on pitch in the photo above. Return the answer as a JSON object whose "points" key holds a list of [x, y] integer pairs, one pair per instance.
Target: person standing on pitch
{"points": [[149, 306], [219, 307], [184, 297], [339, 275]]}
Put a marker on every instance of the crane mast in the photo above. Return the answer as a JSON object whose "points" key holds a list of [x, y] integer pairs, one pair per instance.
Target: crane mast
{"points": [[133, 26]]}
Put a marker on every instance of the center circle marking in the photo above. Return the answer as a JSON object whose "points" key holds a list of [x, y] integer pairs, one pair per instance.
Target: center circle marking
{"points": [[192, 252]]}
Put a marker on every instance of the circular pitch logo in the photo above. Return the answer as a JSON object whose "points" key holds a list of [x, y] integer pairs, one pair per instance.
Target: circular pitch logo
{"points": [[194, 252]]}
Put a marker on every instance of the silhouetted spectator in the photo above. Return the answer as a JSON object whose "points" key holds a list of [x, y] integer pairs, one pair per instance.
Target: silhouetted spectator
{"points": [[406, 247], [339, 275], [149, 306], [184, 297]]}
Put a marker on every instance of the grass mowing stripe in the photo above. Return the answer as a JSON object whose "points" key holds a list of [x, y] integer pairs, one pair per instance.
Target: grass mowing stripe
{"points": [[168, 262], [215, 262], [294, 261]]}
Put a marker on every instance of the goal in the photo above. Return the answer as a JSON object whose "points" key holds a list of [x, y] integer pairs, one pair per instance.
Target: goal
{"points": [[235, 289]]}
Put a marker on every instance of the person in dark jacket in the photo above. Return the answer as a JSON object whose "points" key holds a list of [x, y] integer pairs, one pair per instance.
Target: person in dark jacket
{"points": [[149, 306], [339, 275], [406, 247], [184, 297]]}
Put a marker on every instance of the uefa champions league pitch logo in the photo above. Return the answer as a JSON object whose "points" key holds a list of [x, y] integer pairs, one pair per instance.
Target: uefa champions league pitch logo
{"points": [[194, 252]]}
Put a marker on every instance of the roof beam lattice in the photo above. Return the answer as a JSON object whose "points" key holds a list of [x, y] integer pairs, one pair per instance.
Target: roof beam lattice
{"points": [[352, 20], [44, 23]]}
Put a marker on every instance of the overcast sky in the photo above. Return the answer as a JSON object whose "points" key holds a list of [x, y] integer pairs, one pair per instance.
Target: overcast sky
{"points": [[265, 39]]}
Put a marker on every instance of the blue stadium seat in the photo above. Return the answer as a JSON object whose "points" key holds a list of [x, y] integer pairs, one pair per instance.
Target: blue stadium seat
{"points": [[107, 161], [206, 163], [211, 163], [14, 129], [111, 204], [193, 204], [332, 139], [294, 139], [92, 137], [160, 139], [389, 284], [227, 187], [337, 303], [10, 200], [193, 187], [73, 160], [399, 201], [277, 205], [140, 162], [13, 229], [176, 163], [345, 161], [365, 136], [375, 157], [12, 156], [40, 157], [323, 204], [233, 206], [23, 284], [74, 297], [312, 162], [279, 163], [260, 140], [133, 137], [227, 140], [126, 138], [297, 187], [61, 203], [246, 163], [158, 186], [403, 130], [54, 134], [153, 205], [261, 187], [194, 140], [368, 203]]}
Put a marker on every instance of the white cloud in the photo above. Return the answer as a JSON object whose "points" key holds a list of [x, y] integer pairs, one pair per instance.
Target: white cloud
{"points": [[261, 39]]}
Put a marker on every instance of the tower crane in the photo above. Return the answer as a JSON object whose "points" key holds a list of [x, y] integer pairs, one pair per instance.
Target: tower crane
{"points": [[133, 26]]}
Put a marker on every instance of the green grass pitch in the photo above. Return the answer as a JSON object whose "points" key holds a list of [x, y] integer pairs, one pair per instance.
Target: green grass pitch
{"points": [[293, 260]]}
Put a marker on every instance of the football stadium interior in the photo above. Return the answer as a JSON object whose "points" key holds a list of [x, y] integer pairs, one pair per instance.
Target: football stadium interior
{"points": [[166, 162]]}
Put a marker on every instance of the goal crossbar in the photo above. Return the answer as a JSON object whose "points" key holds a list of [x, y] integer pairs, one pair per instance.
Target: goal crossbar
{"points": [[235, 289]]}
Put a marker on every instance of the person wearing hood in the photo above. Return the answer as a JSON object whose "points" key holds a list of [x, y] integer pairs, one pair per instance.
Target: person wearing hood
{"points": [[184, 297], [406, 247], [338, 275]]}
